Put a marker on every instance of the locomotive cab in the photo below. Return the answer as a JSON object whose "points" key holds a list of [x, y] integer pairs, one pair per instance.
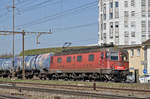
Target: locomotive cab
{"points": [[117, 60]]}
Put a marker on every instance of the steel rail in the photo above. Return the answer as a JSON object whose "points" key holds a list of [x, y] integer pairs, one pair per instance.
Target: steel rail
{"points": [[68, 92], [11, 97], [79, 86]]}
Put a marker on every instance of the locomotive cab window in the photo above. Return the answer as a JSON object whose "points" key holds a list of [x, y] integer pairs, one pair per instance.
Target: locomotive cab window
{"points": [[107, 55], [102, 55], [114, 56], [59, 60], [79, 58], [91, 57], [69, 59]]}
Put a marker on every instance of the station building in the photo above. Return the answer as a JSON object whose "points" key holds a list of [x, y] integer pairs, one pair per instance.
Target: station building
{"points": [[139, 57]]}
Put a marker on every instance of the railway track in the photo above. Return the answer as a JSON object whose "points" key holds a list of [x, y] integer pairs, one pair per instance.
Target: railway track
{"points": [[78, 90], [75, 86], [11, 97], [69, 92]]}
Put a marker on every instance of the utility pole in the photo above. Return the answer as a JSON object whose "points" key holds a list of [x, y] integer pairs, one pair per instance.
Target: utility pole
{"points": [[23, 34], [13, 49], [23, 70]]}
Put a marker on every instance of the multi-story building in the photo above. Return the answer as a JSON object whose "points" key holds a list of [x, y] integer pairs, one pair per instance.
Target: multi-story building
{"points": [[124, 22]]}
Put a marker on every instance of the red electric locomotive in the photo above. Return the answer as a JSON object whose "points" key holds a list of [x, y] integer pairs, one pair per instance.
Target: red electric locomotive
{"points": [[107, 64]]}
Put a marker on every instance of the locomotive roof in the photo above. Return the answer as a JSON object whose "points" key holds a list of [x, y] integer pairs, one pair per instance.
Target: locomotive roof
{"points": [[86, 50]]}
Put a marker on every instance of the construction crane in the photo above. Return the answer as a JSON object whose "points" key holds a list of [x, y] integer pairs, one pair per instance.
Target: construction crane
{"points": [[23, 34]]}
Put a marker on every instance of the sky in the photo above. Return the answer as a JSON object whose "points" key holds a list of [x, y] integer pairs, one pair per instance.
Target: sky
{"points": [[74, 21]]}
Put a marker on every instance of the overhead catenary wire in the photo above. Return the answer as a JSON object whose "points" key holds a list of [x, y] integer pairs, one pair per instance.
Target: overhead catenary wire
{"points": [[40, 6], [57, 15], [37, 5], [75, 27], [6, 8], [5, 12], [23, 2]]}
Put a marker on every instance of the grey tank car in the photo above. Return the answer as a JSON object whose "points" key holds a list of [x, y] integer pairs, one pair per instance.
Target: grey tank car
{"points": [[34, 65]]}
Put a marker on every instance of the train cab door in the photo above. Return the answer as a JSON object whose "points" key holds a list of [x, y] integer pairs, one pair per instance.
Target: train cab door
{"points": [[102, 60]]}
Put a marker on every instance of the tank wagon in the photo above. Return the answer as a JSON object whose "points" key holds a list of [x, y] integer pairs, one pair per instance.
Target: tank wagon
{"points": [[5, 67], [107, 64], [34, 65]]}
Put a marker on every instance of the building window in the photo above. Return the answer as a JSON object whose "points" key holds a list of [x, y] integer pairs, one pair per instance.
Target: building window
{"points": [[69, 59], [126, 24], [126, 14], [111, 4], [104, 11], [132, 13], [111, 30], [143, 26], [104, 26], [117, 29], [117, 24], [116, 12], [125, 3], [117, 4], [143, 37], [126, 36], [110, 15], [91, 57], [133, 3], [132, 52], [143, 8], [59, 60], [133, 24], [149, 28], [148, 8], [104, 36], [79, 58], [132, 34], [138, 52], [104, 16]]}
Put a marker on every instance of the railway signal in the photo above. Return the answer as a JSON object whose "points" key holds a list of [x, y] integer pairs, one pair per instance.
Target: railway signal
{"points": [[23, 34]]}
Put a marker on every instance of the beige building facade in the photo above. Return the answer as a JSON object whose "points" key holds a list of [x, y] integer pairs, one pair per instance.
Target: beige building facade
{"points": [[139, 58]]}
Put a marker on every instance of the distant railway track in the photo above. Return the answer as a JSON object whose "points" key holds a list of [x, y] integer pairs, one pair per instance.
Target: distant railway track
{"points": [[80, 90]]}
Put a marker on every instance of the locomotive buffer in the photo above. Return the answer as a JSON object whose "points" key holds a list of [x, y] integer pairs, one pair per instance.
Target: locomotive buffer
{"points": [[23, 34]]}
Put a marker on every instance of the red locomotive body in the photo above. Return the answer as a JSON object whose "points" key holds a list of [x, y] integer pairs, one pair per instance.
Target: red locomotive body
{"points": [[106, 64]]}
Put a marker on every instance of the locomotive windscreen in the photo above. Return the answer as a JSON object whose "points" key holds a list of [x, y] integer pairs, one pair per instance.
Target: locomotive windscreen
{"points": [[114, 56]]}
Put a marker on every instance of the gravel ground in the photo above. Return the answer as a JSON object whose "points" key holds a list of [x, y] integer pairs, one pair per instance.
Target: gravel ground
{"points": [[40, 95]]}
